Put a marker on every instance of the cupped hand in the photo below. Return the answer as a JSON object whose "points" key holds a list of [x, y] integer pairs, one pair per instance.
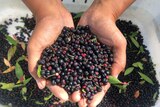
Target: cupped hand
{"points": [[103, 25], [47, 29]]}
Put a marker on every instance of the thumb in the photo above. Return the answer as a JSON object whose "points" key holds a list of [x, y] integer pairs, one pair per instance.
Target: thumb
{"points": [[82, 21], [33, 56], [116, 69]]}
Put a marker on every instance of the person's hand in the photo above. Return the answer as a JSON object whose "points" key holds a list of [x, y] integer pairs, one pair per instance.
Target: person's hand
{"points": [[101, 17], [50, 19]]}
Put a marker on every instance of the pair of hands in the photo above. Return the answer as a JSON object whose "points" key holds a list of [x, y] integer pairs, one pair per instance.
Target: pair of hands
{"points": [[101, 23]]}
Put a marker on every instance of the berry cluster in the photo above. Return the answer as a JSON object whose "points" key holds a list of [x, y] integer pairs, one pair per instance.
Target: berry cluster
{"points": [[77, 61]]}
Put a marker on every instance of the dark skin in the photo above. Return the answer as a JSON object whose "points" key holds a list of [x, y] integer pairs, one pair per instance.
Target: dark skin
{"points": [[51, 16]]}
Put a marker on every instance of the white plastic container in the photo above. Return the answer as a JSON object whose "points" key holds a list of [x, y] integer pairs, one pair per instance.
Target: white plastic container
{"points": [[144, 13]]}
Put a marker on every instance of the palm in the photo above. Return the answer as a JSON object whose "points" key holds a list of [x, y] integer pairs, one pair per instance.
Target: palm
{"points": [[45, 33], [109, 34]]}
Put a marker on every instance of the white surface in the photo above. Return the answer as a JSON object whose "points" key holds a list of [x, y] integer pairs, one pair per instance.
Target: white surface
{"points": [[144, 13]]}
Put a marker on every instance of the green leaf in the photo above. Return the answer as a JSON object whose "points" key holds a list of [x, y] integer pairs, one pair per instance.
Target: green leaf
{"points": [[122, 87], [120, 90], [154, 96], [83, 91], [31, 92], [114, 80], [125, 86], [48, 97], [25, 82], [144, 59], [11, 52], [23, 45], [146, 78], [134, 34], [94, 40], [141, 49], [78, 15], [39, 71], [25, 98], [21, 58], [142, 82], [138, 52], [134, 41], [18, 71], [7, 86], [18, 85], [39, 103], [135, 64], [23, 90], [11, 40], [128, 70], [138, 64]]}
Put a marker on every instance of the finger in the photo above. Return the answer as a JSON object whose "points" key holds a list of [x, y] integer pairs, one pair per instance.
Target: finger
{"points": [[99, 96], [45, 30], [76, 96], [119, 54], [116, 69], [117, 41], [33, 57], [69, 21], [82, 21], [65, 13], [82, 102], [58, 91]]}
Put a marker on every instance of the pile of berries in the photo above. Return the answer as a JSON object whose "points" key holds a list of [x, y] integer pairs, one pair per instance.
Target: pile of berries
{"points": [[77, 61]]}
